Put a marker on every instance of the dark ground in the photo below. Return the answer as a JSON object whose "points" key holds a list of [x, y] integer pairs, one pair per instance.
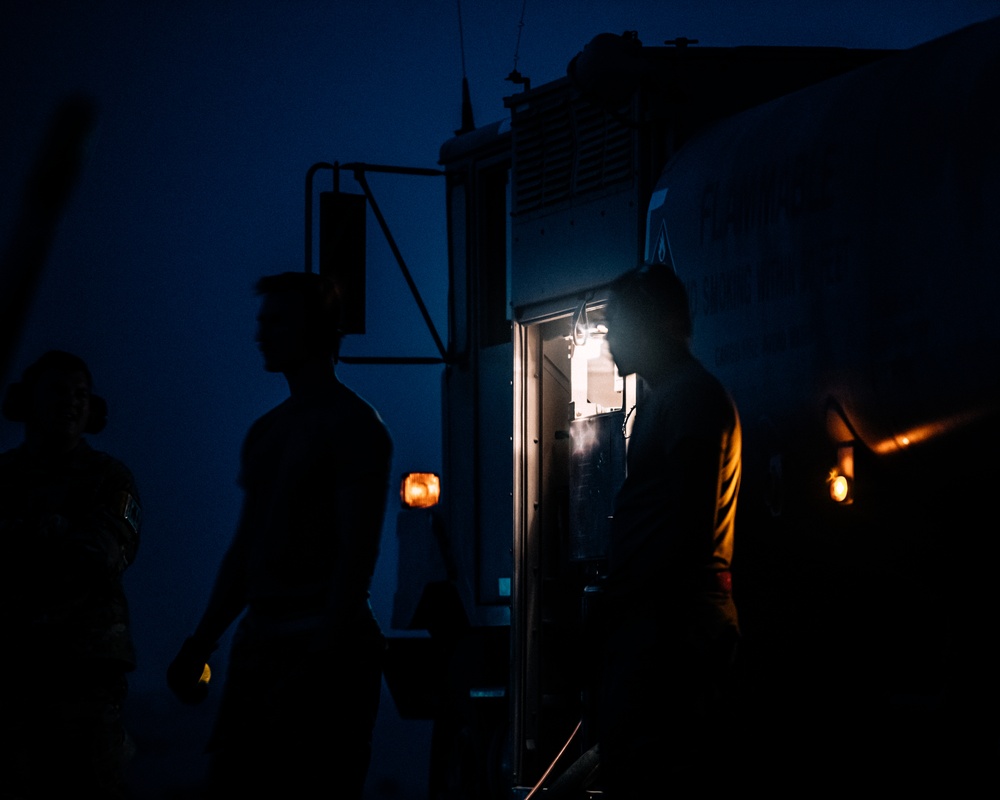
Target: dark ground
{"points": [[169, 763]]}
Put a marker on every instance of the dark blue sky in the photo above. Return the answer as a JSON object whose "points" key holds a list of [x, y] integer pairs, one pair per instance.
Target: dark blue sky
{"points": [[210, 113]]}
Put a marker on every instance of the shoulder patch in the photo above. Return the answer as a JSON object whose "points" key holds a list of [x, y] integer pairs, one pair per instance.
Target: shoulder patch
{"points": [[128, 509]]}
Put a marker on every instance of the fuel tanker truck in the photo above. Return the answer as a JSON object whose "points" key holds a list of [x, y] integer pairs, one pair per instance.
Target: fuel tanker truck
{"points": [[835, 217]]}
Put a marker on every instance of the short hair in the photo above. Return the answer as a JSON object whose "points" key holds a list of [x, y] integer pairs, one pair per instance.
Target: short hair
{"points": [[320, 302], [655, 298], [17, 400]]}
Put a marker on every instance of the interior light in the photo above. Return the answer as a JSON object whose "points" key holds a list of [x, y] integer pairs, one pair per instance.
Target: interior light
{"points": [[420, 490]]}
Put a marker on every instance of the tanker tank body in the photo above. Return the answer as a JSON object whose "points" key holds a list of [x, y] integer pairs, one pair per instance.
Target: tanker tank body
{"points": [[841, 247]]}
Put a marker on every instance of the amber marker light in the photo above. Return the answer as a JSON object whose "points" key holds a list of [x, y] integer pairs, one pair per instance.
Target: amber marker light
{"points": [[841, 478], [206, 676], [420, 490], [840, 488]]}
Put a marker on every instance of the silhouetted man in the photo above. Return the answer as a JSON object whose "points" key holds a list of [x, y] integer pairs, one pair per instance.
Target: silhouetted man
{"points": [[672, 624], [69, 521], [304, 676]]}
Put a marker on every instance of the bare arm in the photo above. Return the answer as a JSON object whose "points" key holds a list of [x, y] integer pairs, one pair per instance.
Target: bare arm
{"points": [[228, 597]]}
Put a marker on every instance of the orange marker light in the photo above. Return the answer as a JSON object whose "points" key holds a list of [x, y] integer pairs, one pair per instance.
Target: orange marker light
{"points": [[840, 488], [420, 490], [206, 676]]}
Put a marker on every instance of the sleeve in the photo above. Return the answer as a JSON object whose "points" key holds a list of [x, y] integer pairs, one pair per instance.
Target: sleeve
{"points": [[108, 533], [666, 511]]}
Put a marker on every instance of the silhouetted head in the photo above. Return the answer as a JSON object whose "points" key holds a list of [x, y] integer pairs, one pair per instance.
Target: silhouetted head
{"points": [[55, 402], [299, 319], [648, 319]]}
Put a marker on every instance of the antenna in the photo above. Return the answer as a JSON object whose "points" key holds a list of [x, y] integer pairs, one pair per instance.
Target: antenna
{"points": [[515, 76], [468, 123]]}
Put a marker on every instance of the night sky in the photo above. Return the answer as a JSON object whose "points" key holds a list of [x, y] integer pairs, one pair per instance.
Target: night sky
{"points": [[209, 115]]}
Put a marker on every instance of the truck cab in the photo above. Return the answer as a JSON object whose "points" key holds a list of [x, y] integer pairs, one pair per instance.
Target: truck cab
{"points": [[806, 198]]}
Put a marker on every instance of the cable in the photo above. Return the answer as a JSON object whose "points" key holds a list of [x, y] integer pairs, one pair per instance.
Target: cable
{"points": [[515, 76], [569, 741], [578, 317], [520, 27]]}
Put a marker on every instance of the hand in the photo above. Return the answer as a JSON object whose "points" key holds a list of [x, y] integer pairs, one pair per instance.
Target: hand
{"points": [[187, 675]]}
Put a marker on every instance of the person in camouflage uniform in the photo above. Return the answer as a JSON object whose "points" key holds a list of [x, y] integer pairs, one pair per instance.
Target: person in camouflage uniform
{"points": [[69, 518]]}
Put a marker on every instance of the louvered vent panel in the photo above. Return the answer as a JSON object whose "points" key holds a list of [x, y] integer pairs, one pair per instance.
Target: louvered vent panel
{"points": [[546, 169]]}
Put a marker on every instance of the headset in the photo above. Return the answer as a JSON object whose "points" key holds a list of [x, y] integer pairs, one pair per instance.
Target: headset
{"points": [[17, 401]]}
